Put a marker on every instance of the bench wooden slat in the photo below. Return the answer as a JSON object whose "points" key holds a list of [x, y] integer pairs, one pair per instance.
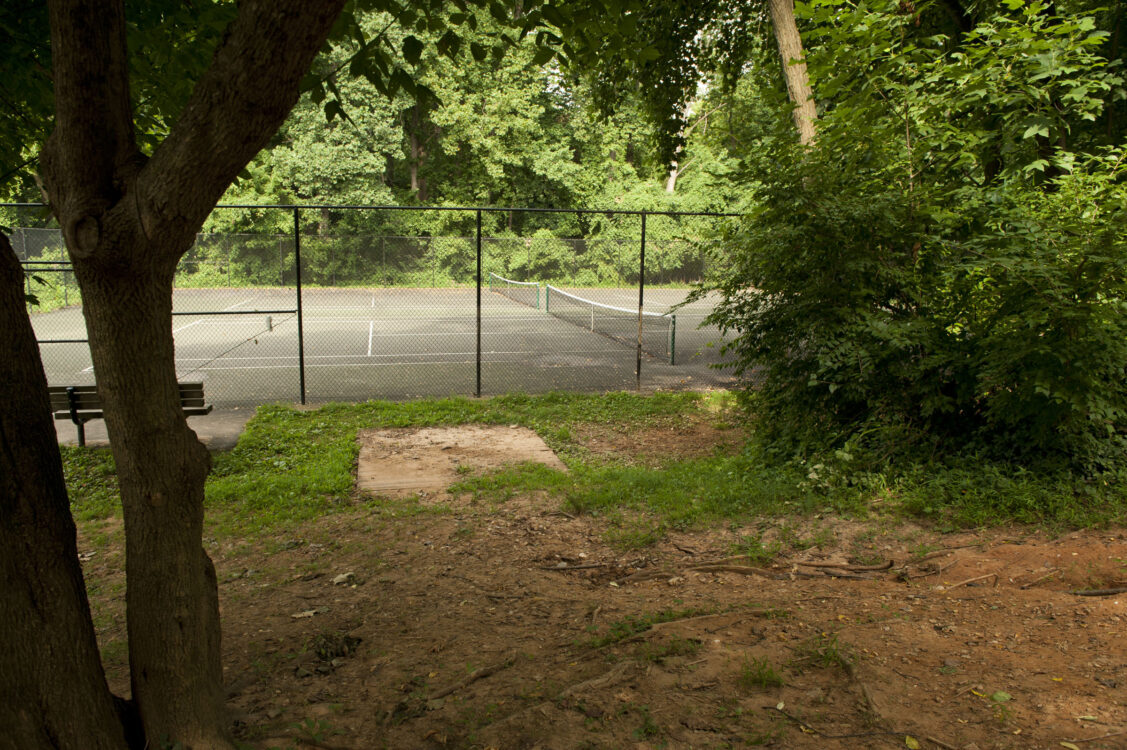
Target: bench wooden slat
{"points": [[83, 414], [81, 400], [87, 403]]}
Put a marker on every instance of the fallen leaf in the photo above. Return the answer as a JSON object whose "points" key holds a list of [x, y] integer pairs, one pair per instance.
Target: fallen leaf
{"points": [[912, 742], [1070, 746]]}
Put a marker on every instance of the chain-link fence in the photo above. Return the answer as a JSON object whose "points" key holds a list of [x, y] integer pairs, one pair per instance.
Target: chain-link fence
{"points": [[324, 303]]}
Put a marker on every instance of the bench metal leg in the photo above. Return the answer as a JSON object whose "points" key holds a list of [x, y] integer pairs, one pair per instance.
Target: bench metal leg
{"points": [[81, 433]]}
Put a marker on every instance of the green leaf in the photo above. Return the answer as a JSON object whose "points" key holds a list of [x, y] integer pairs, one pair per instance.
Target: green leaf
{"points": [[1000, 696], [333, 110], [479, 51], [543, 55], [449, 44], [412, 50], [912, 742], [499, 12]]}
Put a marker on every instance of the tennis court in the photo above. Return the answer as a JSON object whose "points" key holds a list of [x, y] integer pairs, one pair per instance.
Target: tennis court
{"points": [[399, 343], [389, 302]]}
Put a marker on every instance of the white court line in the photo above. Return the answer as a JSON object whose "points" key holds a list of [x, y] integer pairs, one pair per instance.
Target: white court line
{"points": [[186, 325], [188, 360], [457, 318], [469, 360], [232, 307], [446, 334], [371, 329]]}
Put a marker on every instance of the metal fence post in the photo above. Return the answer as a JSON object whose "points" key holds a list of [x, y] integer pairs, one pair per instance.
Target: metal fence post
{"points": [[297, 275], [641, 294], [477, 392]]}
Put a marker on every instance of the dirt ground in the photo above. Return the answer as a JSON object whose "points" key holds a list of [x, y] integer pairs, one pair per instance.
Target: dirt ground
{"points": [[441, 622]]}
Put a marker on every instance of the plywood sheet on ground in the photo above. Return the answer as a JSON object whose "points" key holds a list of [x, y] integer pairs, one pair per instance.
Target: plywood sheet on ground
{"points": [[402, 461]]}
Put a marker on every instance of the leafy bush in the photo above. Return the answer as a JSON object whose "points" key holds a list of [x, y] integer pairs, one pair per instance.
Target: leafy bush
{"points": [[899, 293]]}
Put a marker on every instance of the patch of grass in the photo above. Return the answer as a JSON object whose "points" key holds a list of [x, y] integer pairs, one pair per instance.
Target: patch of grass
{"points": [[632, 625], [690, 492], [752, 547], [649, 727], [758, 673], [91, 479], [675, 646], [825, 651], [626, 533], [291, 466], [505, 483], [986, 494]]}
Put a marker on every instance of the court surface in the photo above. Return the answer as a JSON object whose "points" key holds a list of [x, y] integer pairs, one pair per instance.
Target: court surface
{"points": [[395, 343]]}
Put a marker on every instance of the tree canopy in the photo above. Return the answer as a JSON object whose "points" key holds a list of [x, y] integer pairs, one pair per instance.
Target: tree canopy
{"points": [[932, 262]]}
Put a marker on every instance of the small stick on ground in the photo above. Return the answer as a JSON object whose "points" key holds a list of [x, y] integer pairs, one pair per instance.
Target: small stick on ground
{"points": [[803, 725], [746, 570], [562, 514], [646, 575], [941, 744], [1036, 581], [603, 680], [1094, 739], [584, 566], [474, 676], [972, 580], [951, 564], [1098, 592], [846, 566], [842, 573]]}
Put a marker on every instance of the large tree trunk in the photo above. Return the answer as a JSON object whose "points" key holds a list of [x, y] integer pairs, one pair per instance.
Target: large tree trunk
{"points": [[794, 68], [171, 599], [126, 224], [53, 692]]}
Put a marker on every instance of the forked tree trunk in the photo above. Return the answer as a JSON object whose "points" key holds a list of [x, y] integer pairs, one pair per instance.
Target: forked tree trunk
{"points": [[127, 221], [53, 692], [171, 599], [789, 41]]}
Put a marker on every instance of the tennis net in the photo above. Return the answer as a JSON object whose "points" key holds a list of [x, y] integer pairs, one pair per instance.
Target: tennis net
{"points": [[525, 292], [659, 331]]}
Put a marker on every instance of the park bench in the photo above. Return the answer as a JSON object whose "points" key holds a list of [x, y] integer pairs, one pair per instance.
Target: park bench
{"points": [[81, 403]]}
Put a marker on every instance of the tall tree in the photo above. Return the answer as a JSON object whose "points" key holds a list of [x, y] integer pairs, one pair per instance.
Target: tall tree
{"points": [[789, 41], [53, 696], [130, 187], [127, 219]]}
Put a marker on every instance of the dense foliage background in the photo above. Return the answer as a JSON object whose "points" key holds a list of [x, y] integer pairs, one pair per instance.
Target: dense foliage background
{"points": [[940, 273], [943, 272]]}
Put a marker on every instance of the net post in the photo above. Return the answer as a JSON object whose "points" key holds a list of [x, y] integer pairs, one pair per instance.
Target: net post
{"points": [[477, 391], [641, 299], [297, 276], [547, 297], [672, 339]]}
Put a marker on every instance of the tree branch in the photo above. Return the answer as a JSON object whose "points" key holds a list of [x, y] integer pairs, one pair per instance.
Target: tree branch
{"points": [[93, 133], [236, 107]]}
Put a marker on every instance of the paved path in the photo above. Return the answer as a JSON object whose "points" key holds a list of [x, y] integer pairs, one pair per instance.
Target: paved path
{"points": [[219, 430]]}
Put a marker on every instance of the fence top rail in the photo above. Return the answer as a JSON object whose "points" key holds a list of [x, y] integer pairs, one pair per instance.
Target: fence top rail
{"points": [[483, 209], [501, 278]]}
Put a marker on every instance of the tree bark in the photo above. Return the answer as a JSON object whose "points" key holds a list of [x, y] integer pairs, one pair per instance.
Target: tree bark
{"points": [[127, 223], [789, 41], [53, 691]]}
